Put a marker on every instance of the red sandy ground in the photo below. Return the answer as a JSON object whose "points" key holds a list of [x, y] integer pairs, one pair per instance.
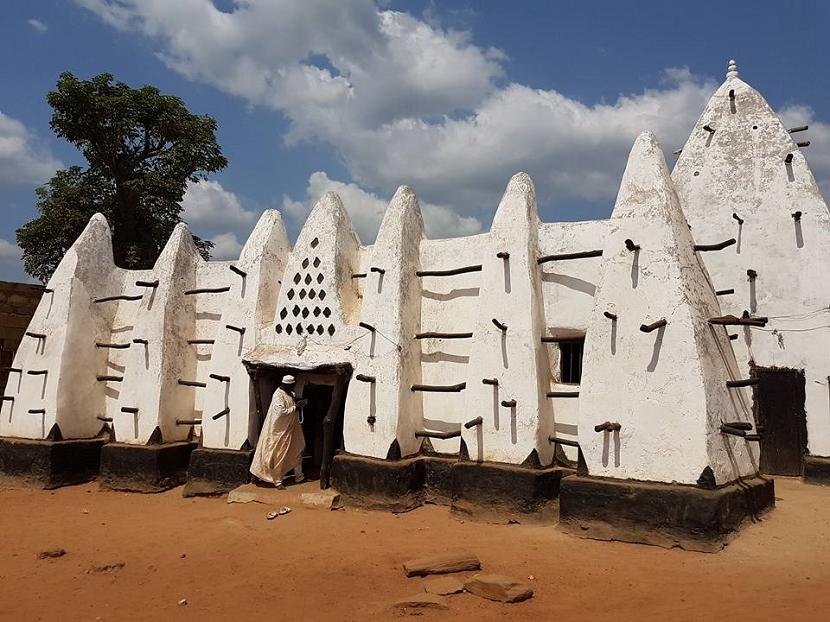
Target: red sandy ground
{"points": [[229, 562]]}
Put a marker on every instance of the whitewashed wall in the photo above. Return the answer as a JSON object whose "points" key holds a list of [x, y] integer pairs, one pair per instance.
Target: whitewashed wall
{"points": [[737, 168], [666, 388], [740, 168]]}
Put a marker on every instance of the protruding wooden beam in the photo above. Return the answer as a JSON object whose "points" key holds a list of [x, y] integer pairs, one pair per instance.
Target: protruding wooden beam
{"points": [[221, 414], [747, 382], [503, 255], [112, 346], [724, 292], [563, 441], [562, 394], [453, 272], [207, 290], [739, 425], [377, 270], [508, 403], [151, 284], [365, 378], [192, 383], [629, 244], [439, 388], [238, 271], [725, 429], [201, 342], [789, 158], [798, 128], [608, 426], [435, 335], [499, 325], [610, 316], [441, 435], [738, 218], [35, 335], [803, 143], [716, 247], [122, 297], [188, 422], [368, 327], [109, 378], [220, 378], [129, 409], [568, 256], [647, 328], [731, 320], [474, 422], [491, 381]]}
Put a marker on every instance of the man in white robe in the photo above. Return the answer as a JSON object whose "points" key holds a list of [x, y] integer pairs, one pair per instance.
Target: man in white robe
{"points": [[281, 442]]}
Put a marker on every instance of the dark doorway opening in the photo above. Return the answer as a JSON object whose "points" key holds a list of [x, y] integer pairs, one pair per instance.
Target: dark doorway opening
{"points": [[319, 405], [781, 419], [322, 418]]}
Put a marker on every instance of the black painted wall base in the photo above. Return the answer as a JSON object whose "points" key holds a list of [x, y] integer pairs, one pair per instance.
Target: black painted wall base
{"points": [[217, 471], [667, 515], [50, 464], [145, 468], [481, 490], [487, 490], [817, 470]]}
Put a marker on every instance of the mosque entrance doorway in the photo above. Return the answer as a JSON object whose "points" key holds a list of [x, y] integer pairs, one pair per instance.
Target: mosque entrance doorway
{"points": [[322, 417], [781, 418]]}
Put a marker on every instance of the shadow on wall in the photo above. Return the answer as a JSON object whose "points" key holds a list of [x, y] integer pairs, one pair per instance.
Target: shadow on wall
{"points": [[635, 268], [608, 437], [658, 344], [571, 282], [452, 294]]}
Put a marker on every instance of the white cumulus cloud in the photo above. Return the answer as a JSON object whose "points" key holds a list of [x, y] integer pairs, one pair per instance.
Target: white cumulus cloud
{"points": [[366, 210], [9, 250], [818, 153], [39, 26], [22, 159], [207, 205], [225, 246], [406, 101]]}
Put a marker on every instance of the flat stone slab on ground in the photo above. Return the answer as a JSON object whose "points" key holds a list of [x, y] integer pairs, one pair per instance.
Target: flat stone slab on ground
{"points": [[242, 496], [444, 586], [422, 601], [456, 561], [498, 587], [326, 499]]}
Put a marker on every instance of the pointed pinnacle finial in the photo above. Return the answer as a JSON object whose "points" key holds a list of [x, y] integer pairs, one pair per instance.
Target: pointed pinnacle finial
{"points": [[732, 69]]}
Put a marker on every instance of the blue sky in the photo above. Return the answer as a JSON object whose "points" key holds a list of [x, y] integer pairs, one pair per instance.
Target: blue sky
{"points": [[359, 97]]}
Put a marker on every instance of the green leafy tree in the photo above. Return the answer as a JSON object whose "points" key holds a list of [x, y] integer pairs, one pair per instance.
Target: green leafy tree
{"points": [[142, 148]]}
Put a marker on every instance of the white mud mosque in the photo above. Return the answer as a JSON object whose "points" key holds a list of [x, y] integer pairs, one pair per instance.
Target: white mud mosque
{"points": [[647, 373]]}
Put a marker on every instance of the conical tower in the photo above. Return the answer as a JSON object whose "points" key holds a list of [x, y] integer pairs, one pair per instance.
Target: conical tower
{"points": [[662, 418], [381, 410], [743, 176]]}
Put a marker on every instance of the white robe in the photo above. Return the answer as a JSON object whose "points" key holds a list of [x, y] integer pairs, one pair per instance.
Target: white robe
{"points": [[281, 441]]}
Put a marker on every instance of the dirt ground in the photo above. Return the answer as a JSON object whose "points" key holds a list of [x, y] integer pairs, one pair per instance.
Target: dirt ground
{"points": [[229, 562]]}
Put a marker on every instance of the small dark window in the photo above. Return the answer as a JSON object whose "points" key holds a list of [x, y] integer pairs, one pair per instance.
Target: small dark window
{"points": [[570, 361]]}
